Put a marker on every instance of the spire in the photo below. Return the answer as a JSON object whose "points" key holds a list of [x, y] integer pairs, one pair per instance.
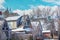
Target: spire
{"points": [[7, 10], [10, 10]]}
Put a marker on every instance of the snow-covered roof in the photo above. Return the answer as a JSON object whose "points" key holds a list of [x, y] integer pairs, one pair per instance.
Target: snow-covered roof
{"points": [[21, 29], [12, 18], [18, 29], [28, 29], [45, 31]]}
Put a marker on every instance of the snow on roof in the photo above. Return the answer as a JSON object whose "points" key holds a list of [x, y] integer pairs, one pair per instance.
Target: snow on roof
{"points": [[28, 29], [18, 29], [12, 18], [45, 31]]}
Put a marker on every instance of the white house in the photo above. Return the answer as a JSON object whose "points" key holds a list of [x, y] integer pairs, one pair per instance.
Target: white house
{"points": [[12, 21]]}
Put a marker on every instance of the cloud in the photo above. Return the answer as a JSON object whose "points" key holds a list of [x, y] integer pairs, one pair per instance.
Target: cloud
{"points": [[1, 4], [40, 9], [2, 1], [57, 2], [22, 12]]}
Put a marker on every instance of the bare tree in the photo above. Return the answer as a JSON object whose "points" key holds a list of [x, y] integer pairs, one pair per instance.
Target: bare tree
{"points": [[58, 14]]}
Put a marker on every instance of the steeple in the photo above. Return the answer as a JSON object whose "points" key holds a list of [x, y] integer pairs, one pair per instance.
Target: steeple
{"points": [[10, 10], [7, 10]]}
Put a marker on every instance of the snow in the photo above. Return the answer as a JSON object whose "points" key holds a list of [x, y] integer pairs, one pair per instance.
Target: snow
{"points": [[18, 29], [21, 29], [45, 31], [12, 18], [28, 29]]}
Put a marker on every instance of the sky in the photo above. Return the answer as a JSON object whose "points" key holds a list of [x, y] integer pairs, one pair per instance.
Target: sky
{"points": [[26, 4]]}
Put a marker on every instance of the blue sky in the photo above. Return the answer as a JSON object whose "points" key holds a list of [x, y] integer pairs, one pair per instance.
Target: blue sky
{"points": [[21, 6], [25, 4]]}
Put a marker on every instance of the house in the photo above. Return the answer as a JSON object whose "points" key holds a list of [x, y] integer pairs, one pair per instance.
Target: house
{"points": [[47, 34], [38, 30], [4, 28], [12, 21], [25, 21], [7, 13]]}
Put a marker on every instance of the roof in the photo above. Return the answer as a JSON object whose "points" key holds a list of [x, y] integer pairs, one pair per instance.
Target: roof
{"points": [[19, 21], [46, 31], [12, 18], [13, 14], [19, 29], [7, 13]]}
